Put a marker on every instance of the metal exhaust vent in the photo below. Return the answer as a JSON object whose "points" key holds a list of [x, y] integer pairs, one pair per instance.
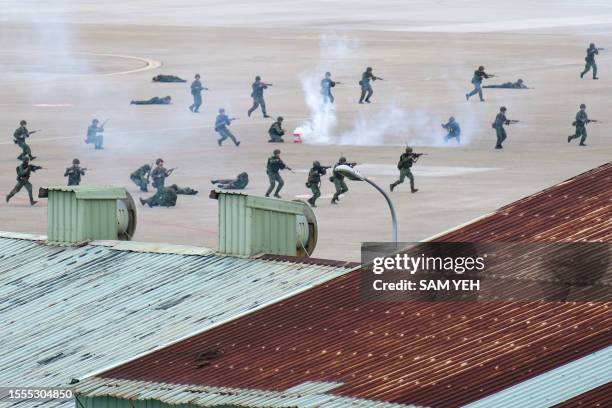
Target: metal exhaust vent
{"points": [[81, 213], [250, 225]]}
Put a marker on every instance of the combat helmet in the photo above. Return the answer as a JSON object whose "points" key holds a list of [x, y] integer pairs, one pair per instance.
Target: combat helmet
{"points": [[76, 161]]}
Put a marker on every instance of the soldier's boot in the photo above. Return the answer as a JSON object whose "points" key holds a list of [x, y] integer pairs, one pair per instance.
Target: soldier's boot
{"points": [[142, 201], [393, 185], [334, 199], [412, 189], [32, 201], [569, 138], [237, 143], [9, 196]]}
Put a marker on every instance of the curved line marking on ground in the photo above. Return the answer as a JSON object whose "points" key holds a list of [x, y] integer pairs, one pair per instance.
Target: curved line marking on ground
{"points": [[150, 63]]}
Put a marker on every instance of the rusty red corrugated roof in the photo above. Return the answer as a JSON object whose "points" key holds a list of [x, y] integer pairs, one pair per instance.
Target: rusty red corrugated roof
{"points": [[598, 397], [432, 354]]}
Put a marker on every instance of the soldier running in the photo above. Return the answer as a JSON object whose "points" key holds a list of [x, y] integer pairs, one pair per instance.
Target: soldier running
{"points": [[159, 174], [454, 130], [24, 171], [196, 92], [582, 119], [338, 179], [74, 173], [141, 177], [592, 51], [366, 87], [274, 165], [477, 79], [326, 85], [19, 137], [314, 181], [258, 98], [276, 131], [404, 165], [239, 183], [221, 123]]}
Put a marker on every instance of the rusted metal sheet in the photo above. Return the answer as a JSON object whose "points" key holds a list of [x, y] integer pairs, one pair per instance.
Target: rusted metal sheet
{"points": [[70, 311], [598, 397], [431, 354]]}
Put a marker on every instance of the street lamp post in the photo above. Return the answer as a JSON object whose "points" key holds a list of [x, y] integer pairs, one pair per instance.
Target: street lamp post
{"points": [[353, 174]]}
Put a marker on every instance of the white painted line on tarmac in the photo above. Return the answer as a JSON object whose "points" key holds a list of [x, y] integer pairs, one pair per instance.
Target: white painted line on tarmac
{"points": [[52, 105]]}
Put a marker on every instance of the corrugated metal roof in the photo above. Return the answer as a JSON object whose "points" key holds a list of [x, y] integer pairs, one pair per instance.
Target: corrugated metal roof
{"points": [[66, 312], [432, 354], [598, 397], [306, 396], [89, 192], [556, 385]]}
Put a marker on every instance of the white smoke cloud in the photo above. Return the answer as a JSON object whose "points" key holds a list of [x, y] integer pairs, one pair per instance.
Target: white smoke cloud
{"points": [[393, 124]]}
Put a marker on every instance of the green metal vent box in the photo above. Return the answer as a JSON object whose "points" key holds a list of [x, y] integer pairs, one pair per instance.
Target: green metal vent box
{"points": [[80, 213], [250, 225]]}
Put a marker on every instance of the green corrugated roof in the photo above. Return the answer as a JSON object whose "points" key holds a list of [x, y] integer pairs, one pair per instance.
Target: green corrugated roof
{"points": [[92, 192]]}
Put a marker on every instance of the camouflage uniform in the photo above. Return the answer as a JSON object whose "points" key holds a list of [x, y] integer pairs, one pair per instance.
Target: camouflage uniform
{"points": [[498, 125], [167, 78], [276, 132], [366, 87], [159, 175], [164, 197], [258, 98], [338, 180], [94, 135], [183, 190], [590, 61], [326, 85], [74, 174], [238, 183], [479, 75], [405, 167], [20, 136], [581, 132], [314, 181], [24, 171], [275, 164], [141, 177], [156, 100], [221, 123], [196, 92], [454, 131]]}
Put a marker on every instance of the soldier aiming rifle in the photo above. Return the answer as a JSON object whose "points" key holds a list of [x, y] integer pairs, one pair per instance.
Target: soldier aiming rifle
{"points": [[257, 94], [338, 179], [406, 161], [582, 119], [19, 138], [24, 171], [498, 125], [477, 79], [314, 181]]}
